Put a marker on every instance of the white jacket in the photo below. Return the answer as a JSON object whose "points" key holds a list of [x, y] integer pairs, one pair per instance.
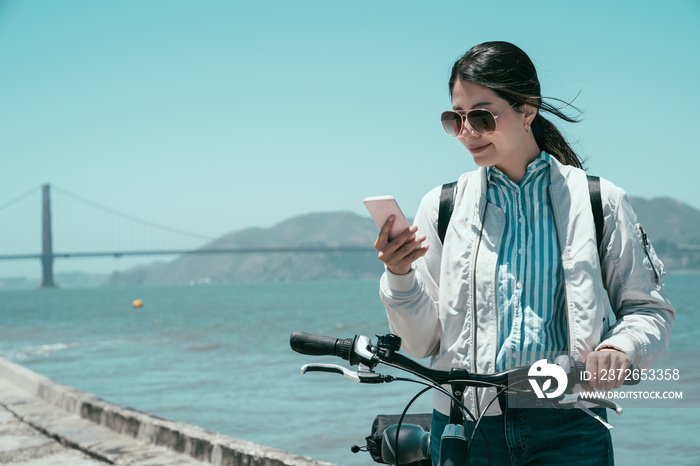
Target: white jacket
{"points": [[445, 307]]}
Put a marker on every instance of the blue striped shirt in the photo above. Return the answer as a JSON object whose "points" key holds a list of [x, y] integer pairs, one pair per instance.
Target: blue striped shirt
{"points": [[530, 289]]}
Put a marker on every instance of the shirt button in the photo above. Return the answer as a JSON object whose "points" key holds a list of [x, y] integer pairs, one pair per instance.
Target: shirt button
{"points": [[521, 251], [518, 285]]}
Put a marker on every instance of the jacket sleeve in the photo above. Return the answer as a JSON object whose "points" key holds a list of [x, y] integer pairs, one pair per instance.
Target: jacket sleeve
{"points": [[633, 277], [411, 300]]}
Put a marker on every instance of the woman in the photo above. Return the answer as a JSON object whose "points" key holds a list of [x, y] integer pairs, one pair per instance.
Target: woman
{"points": [[519, 277]]}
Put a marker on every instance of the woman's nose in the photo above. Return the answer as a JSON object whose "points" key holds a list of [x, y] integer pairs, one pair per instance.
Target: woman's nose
{"points": [[467, 131]]}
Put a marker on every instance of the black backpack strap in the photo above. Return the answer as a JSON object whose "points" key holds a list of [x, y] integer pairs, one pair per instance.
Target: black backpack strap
{"points": [[597, 207], [447, 205]]}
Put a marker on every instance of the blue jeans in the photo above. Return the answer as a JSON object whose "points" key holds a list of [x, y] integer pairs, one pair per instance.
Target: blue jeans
{"points": [[535, 436]]}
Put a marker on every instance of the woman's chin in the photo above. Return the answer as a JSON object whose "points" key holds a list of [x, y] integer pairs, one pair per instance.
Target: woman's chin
{"points": [[482, 162]]}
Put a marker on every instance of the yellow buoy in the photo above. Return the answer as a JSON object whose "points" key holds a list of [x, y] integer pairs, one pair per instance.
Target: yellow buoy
{"points": [[137, 303]]}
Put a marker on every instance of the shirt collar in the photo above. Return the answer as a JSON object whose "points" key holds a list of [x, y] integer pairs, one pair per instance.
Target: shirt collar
{"points": [[541, 164]]}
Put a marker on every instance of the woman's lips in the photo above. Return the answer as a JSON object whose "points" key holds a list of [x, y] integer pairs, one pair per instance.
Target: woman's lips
{"points": [[478, 149]]}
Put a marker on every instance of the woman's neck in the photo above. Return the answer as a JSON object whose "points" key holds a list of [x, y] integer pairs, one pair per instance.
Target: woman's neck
{"points": [[516, 167]]}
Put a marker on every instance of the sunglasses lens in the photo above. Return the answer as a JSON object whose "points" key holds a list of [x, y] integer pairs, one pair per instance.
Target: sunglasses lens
{"points": [[452, 122], [482, 121]]}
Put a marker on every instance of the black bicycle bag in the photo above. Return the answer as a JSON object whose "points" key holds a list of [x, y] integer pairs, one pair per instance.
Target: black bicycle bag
{"points": [[382, 422]]}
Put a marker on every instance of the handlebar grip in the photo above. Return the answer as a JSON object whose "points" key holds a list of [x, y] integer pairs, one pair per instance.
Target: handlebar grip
{"points": [[580, 367], [319, 345]]}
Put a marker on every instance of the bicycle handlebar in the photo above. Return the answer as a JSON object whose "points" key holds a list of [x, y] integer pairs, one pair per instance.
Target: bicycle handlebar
{"points": [[354, 350], [360, 350], [318, 345]]}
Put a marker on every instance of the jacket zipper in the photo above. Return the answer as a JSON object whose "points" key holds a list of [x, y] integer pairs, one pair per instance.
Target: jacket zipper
{"points": [[646, 252], [474, 322], [563, 271]]}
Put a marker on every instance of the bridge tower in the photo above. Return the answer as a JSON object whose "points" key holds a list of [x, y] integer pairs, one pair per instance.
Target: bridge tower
{"points": [[46, 240]]}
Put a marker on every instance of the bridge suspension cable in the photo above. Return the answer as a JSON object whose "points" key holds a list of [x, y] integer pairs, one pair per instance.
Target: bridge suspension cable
{"points": [[20, 223], [19, 198], [130, 217]]}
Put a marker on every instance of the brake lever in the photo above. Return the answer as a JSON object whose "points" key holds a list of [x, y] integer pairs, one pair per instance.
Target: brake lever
{"points": [[574, 400], [363, 375], [332, 368]]}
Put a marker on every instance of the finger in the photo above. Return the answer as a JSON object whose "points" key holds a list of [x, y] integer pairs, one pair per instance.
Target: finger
{"points": [[610, 370], [396, 252], [622, 363], [616, 362], [605, 373], [384, 231], [384, 241], [394, 245], [627, 365], [403, 266], [411, 244], [406, 235], [610, 373], [416, 254], [592, 368]]}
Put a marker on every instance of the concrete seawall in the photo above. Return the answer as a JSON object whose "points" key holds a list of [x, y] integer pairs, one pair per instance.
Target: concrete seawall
{"points": [[118, 435]]}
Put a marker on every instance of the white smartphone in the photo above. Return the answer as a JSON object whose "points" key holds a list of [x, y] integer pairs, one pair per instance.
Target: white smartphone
{"points": [[380, 207]]}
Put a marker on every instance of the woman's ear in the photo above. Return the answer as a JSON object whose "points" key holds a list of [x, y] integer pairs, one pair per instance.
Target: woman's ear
{"points": [[529, 114]]}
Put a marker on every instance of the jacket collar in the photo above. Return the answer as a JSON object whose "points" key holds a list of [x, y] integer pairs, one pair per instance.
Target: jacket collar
{"points": [[558, 171]]}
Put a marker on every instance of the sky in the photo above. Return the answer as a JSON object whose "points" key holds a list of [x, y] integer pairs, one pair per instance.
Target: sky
{"points": [[211, 116]]}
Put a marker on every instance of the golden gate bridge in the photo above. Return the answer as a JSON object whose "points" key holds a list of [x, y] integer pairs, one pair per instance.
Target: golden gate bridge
{"points": [[47, 255]]}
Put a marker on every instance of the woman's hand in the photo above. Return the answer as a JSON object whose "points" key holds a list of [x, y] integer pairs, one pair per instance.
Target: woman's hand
{"points": [[607, 367], [399, 253]]}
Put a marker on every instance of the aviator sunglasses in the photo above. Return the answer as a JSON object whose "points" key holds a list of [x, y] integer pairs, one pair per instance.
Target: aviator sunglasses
{"points": [[480, 120]]}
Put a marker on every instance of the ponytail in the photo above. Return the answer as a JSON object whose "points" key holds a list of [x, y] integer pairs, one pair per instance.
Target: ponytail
{"points": [[550, 140]]}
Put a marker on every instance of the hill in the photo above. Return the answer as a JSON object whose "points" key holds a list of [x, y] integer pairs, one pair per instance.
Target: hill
{"points": [[673, 228], [670, 225], [312, 230]]}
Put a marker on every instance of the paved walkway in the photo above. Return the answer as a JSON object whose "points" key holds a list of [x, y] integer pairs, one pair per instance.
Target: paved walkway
{"points": [[39, 433], [23, 445], [45, 423]]}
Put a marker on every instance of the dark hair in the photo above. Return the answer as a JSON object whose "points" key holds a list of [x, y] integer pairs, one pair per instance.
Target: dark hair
{"points": [[508, 71]]}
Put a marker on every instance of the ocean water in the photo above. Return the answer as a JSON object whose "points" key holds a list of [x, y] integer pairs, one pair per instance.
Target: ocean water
{"points": [[218, 357]]}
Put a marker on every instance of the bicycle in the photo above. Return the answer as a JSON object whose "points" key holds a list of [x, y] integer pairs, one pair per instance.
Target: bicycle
{"points": [[409, 444]]}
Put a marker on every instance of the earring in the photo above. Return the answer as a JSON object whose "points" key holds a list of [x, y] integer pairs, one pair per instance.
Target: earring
{"points": [[527, 128]]}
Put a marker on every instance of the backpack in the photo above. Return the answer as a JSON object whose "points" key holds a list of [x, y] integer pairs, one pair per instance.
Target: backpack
{"points": [[449, 192]]}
